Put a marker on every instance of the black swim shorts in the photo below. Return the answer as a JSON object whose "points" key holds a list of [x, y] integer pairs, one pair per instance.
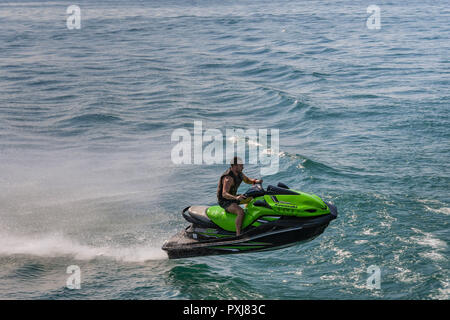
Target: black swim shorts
{"points": [[226, 203]]}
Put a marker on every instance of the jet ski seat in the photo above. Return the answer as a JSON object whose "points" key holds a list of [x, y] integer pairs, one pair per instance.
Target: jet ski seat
{"points": [[198, 216]]}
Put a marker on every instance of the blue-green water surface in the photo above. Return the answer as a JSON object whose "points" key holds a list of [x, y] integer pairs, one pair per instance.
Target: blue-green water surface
{"points": [[86, 118]]}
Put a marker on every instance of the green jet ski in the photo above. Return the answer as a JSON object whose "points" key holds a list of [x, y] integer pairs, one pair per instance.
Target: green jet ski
{"points": [[274, 218]]}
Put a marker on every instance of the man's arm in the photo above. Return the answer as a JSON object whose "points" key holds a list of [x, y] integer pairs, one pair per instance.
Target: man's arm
{"points": [[248, 180]]}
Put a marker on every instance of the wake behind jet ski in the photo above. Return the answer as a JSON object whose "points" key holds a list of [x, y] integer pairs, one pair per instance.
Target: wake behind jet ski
{"points": [[274, 218]]}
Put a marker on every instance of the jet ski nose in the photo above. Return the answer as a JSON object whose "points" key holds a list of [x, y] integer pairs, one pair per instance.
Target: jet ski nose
{"points": [[333, 210]]}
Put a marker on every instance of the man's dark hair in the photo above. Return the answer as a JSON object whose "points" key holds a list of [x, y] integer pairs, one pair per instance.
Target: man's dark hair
{"points": [[236, 160]]}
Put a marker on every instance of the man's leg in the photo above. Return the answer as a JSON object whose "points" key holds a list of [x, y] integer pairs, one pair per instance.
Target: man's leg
{"points": [[234, 208]]}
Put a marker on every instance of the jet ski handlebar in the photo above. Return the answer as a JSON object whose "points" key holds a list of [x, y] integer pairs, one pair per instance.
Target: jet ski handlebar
{"points": [[256, 190]]}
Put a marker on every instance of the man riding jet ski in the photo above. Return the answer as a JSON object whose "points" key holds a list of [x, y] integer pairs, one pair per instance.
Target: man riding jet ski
{"points": [[274, 218], [227, 188]]}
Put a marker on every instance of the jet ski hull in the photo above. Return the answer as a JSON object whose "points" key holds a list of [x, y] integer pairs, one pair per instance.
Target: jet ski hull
{"points": [[272, 235]]}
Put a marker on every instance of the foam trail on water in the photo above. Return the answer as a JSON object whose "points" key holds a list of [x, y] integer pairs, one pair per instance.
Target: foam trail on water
{"points": [[57, 245]]}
